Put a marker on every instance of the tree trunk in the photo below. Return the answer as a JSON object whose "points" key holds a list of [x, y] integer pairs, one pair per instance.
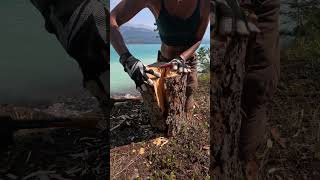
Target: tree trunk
{"points": [[227, 74], [165, 102]]}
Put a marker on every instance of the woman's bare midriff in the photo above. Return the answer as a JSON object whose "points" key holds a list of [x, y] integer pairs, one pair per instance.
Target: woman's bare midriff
{"points": [[171, 52]]}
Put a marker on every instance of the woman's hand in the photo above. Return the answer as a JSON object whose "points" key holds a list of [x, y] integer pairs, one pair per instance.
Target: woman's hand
{"points": [[178, 64], [138, 71]]}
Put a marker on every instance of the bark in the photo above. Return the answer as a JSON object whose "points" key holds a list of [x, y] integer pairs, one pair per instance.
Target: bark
{"points": [[227, 74], [176, 94], [165, 102]]}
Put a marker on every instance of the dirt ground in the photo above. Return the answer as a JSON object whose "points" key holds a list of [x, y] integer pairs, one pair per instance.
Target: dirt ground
{"points": [[57, 153]]}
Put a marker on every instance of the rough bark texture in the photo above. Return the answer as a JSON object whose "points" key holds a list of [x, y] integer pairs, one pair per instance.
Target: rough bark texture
{"points": [[176, 94], [165, 103], [227, 73]]}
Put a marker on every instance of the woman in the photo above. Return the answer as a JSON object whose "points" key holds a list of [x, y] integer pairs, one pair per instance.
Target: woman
{"points": [[181, 24]]}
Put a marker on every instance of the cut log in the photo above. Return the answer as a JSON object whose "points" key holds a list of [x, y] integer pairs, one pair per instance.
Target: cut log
{"points": [[165, 101], [227, 74]]}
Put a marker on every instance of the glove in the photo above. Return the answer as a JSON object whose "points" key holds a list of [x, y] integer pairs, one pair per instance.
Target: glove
{"points": [[227, 18], [138, 71], [178, 64]]}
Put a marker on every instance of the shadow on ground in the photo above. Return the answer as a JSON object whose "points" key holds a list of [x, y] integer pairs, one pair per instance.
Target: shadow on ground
{"points": [[129, 123]]}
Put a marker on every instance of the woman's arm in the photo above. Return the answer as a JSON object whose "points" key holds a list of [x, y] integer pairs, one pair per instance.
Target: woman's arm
{"points": [[201, 30], [189, 52], [121, 14]]}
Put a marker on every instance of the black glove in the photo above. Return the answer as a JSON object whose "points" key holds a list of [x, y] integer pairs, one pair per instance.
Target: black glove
{"points": [[137, 71], [227, 18], [178, 64]]}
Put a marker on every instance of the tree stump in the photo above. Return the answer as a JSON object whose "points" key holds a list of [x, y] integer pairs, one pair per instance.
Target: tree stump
{"points": [[227, 74], [165, 102]]}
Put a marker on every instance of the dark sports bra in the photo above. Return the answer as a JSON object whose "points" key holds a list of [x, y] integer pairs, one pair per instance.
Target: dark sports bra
{"points": [[175, 31]]}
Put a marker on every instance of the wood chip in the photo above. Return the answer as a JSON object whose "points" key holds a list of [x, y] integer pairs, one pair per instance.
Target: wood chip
{"points": [[161, 141], [206, 147], [141, 151]]}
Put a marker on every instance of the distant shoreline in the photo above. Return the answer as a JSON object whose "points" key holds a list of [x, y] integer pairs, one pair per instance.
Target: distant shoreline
{"points": [[125, 92], [137, 43]]}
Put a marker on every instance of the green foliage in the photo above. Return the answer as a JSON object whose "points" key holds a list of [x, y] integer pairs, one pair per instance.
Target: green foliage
{"points": [[162, 175], [204, 59], [204, 77], [307, 34], [305, 49], [310, 26], [303, 14], [306, 46]]}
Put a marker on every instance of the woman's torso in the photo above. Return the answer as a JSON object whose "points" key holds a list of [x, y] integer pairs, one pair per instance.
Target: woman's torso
{"points": [[171, 12]]}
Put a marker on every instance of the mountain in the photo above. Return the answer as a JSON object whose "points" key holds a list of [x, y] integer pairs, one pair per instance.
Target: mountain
{"points": [[141, 34]]}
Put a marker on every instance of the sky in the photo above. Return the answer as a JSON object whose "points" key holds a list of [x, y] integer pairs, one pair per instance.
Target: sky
{"points": [[146, 18]]}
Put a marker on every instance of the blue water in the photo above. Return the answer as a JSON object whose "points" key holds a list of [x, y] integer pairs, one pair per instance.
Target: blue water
{"points": [[120, 81]]}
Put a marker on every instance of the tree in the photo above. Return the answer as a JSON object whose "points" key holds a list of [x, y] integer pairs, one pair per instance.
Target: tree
{"points": [[300, 14], [204, 60], [227, 74]]}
